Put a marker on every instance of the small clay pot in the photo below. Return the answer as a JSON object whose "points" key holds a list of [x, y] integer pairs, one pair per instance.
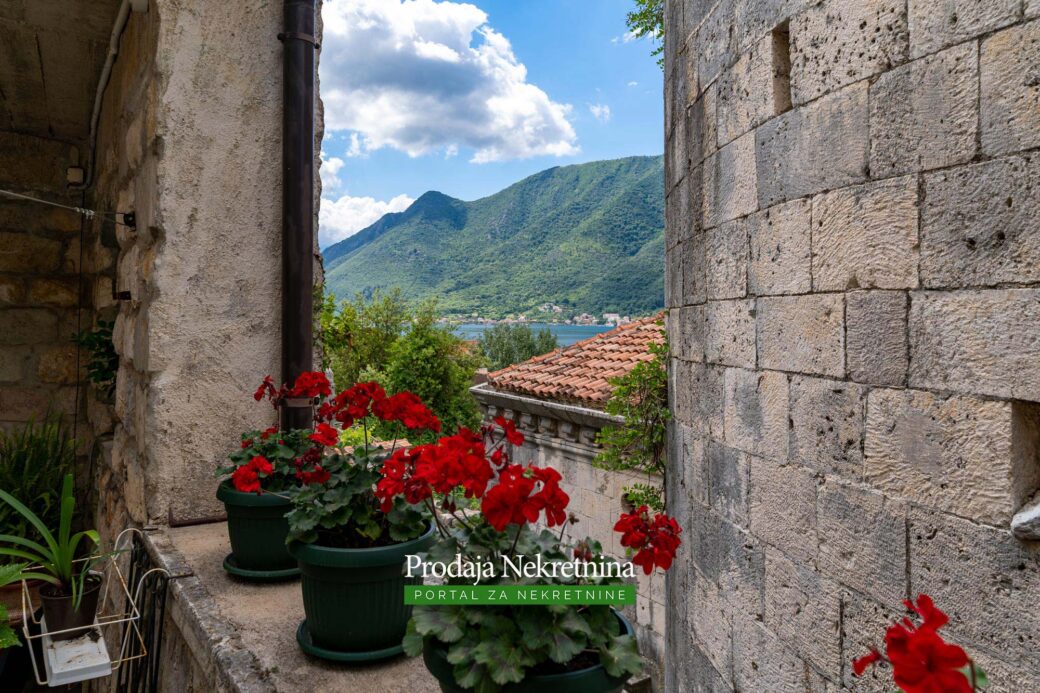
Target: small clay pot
{"points": [[59, 611]]}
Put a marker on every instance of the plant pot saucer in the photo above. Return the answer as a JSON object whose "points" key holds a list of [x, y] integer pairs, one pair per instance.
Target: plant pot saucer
{"points": [[231, 566], [303, 637]]}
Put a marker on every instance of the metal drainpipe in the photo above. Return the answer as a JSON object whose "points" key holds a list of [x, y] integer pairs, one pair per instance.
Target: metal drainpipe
{"points": [[297, 202]]}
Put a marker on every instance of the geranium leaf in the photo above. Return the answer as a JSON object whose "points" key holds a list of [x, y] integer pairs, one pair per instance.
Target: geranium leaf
{"points": [[621, 656], [574, 623], [564, 647], [463, 650], [442, 622], [412, 642]]}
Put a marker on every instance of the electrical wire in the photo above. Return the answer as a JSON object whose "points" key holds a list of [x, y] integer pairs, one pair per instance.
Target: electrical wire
{"points": [[88, 213]]}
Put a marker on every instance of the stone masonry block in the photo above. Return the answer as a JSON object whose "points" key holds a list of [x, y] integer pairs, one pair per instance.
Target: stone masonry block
{"points": [[783, 508], [1010, 72], [680, 221], [982, 342], [730, 184], [692, 268], [755, 415], [673, 275], [863, 624], [27, 326], [688, 333], [25, 254], [745, 92], [728, 476], [711, 623], [804, 609], [827, 425], [727, 260], [676, 155], [714, 45], [707, 399], [54, 292], [780, 252], [702, 126], [804, 334], [876, 345], [820, 146], [759, 656], [978, 224], [730, 333], [971, 457], [862, 540], [14, 363], [866, 236], [924, 115], [741, 569], [12, 290], [58, 364], [984, 579], [937, 25], [843, 41]]}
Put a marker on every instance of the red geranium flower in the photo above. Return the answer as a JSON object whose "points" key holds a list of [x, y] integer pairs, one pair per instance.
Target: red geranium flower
{"points": [[247, 477], [655, 541], [515, 437], [311, 384], [316, 476], [325, 435]]}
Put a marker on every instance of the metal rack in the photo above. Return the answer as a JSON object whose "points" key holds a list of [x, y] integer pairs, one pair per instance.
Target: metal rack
{"points": [[87, 656]]}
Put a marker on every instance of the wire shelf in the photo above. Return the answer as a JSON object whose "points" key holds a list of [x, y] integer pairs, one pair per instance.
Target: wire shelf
{"points": [[110, 616]]}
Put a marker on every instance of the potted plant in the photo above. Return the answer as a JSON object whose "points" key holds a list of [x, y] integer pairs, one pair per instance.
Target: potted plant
{"points": [[70, 597], [350, 547], [554, 648], [261, 476]]}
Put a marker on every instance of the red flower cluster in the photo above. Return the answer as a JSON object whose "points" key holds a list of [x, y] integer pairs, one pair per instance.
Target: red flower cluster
{"points": [[519, 495], [247, 477], [514, 436], [325, 434], [922, 662], [369, 399], [308, 385], [308, 466], [514, 500], [655, 541]]}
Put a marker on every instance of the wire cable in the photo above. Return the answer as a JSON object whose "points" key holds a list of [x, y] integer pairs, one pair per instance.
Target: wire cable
{"points": [[88, 213]]}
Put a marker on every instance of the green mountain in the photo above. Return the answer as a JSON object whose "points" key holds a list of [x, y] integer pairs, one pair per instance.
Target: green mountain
{"points": [[588, 237]]}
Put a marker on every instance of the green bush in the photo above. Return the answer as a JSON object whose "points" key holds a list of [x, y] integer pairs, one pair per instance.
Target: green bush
{"points": [[503, 345], [34, 458]]}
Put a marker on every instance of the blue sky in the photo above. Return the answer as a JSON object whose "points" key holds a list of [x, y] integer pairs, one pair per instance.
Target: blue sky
{"points": [[467, 98]]}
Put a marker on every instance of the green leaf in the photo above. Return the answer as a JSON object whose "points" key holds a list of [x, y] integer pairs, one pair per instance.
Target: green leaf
{"points": [[565, 647], [443, 622], [981, 680], [621, 657], [412, 642], [473, 675]]}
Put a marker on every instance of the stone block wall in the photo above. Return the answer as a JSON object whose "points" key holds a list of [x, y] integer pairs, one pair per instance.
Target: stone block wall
{"points": [[40, 291], [853, 283]]}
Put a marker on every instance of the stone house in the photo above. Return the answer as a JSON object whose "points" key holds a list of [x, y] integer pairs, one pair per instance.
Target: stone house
{"points": [[853, 284], [558, 401]]}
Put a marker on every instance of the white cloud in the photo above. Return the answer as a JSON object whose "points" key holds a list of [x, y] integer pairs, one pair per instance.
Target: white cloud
{"points": [[423, 76], [600, 111], [330, 168], [633, 84], [343, 217], [626, 37]]}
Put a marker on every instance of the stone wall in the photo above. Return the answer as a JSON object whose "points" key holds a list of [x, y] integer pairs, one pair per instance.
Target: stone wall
{"points": [[191, 142], [853, 277], [564, 437], [39, 283]]}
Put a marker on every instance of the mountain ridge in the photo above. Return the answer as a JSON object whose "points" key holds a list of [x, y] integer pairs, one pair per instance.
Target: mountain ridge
{"points": [[588, 237]]}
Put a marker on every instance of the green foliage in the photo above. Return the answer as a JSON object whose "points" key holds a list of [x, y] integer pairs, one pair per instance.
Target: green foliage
{"points": [[641, 397], [9, 573], [33, 460], [280, 448], [385, 340], [588, 238], [648, 20], [358, 334], [438, 367], [56, 559], [344, 513], [492, 646], [505, 344], [103, 361]]}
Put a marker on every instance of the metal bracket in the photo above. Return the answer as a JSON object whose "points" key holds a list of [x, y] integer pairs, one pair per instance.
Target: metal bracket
{"points": [[297, 36]]}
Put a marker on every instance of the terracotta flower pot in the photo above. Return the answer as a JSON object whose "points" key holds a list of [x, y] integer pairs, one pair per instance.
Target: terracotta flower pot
{"points": [[594, 679], [354, 599], [11, 597]]}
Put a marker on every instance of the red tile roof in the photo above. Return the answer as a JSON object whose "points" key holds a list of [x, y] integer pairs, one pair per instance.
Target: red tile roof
{"points": [[581, 372]]}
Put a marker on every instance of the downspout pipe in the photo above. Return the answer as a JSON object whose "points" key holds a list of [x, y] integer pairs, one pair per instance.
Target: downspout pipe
{"points": [[298, 59]]}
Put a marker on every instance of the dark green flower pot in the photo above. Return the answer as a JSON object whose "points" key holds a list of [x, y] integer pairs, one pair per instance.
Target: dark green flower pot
{"points": [[354, 599], [590, 680], [258, 529]]}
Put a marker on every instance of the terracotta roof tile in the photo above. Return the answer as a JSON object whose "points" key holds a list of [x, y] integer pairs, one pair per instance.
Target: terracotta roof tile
{"points": [[581, 372]]}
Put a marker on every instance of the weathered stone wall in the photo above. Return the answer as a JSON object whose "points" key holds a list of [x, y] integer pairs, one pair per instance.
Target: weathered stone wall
{"points": [[39, 283], [596, 498], [191, 142], [853, 277]]}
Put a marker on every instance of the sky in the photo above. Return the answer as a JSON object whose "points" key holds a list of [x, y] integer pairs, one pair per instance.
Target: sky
{"points": [[467, 98]]}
